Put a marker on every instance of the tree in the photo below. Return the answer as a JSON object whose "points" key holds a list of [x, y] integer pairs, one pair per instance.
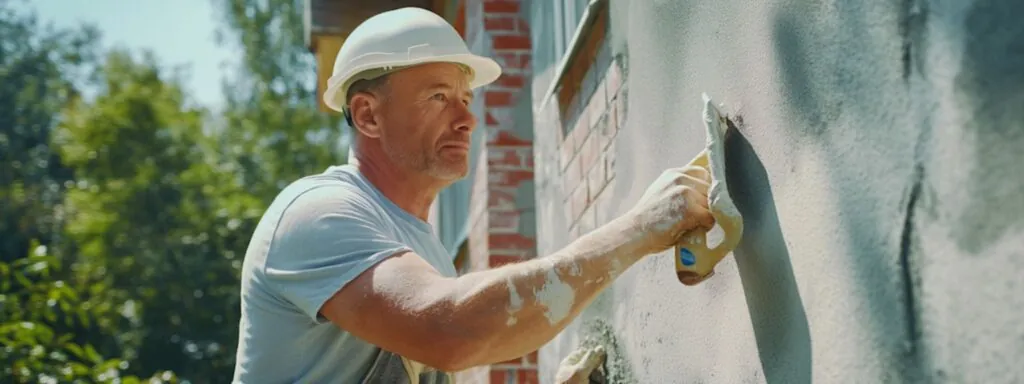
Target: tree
{"points": [[153, 216], [275, 130], [124, 212], [37, 66], [48, 324]]}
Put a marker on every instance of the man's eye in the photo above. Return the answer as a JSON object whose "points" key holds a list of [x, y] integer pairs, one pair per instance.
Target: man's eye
{"points": [[440, 97]]}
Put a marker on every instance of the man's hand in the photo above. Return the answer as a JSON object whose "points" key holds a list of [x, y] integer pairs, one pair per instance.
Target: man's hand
{"points": [[675, 203], [577, 367], [404, 305]]}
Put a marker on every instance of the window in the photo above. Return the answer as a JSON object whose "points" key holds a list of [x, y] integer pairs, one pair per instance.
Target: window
{"points": [[567, 15], [579, 52]]}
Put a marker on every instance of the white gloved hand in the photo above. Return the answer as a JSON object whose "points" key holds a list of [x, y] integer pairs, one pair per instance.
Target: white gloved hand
{"points": [[576, 368]]}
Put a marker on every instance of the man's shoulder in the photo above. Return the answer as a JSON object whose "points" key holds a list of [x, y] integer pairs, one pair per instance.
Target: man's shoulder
{"points": [[342, 184]]}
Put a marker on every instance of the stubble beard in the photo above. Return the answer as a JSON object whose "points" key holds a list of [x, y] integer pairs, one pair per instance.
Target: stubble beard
{"points": [[434, 166]]}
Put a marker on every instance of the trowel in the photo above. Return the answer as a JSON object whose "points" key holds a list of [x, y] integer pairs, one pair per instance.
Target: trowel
{"points": [[695, 261]]}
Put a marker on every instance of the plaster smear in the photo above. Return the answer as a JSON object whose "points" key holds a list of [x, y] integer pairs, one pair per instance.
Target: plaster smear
{"points": [[715, 143], [617, 368], [556, 296], [515, 303]]}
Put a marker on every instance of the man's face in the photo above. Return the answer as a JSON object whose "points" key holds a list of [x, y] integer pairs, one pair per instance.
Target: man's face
{"points": [[426, 123]]}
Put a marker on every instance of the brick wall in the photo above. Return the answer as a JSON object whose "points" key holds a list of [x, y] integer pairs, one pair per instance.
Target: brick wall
{"points": [[587, 149], [501, 205], [577, 144]]}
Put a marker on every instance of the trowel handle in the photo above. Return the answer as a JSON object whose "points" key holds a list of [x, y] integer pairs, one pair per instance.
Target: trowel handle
{"points": [[695, 262]]}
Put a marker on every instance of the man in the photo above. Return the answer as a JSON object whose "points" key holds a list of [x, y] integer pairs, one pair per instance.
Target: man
{"points": [[344, 280]]}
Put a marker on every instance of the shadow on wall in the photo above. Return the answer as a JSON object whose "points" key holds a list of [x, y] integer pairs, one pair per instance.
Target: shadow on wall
{"points": [[845, 87], [776, 310]]}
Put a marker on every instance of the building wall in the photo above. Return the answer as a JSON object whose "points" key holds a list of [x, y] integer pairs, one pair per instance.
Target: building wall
{"points": [[501, 213], [877, 167]]}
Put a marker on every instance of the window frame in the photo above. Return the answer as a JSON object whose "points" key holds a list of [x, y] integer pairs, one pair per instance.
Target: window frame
{"points": [[566, 53]]}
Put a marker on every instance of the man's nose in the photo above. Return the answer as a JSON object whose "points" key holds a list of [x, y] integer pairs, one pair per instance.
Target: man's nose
{"points": [[465, 121]]}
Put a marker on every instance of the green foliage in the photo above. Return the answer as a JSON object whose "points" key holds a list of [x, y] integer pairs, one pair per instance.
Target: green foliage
{"points": [[45, 323], [277, 131], [124, 212], [140, 215], [36, 68]]}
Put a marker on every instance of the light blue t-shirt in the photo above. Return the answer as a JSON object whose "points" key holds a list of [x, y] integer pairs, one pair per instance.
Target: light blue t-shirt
{"points": [[320, 232]]}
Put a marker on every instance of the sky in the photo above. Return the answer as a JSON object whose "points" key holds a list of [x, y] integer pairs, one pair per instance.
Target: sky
{"points": [[179, 33]]}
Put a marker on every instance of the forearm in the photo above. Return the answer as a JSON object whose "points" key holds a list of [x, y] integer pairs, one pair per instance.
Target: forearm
{"points": [[514, 309]]}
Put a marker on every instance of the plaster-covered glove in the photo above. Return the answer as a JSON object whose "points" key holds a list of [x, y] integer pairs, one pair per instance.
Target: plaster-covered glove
{"points": [[577, 367]]}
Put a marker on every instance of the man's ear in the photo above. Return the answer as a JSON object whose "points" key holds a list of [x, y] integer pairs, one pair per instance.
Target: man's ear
{"points": [[363, 108]]}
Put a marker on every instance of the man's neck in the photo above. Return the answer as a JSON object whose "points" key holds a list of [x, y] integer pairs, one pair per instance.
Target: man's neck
{"points": [[412, 192]]}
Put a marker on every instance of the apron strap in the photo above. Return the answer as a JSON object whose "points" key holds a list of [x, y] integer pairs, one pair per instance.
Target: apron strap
{"points": [[391, 368]]}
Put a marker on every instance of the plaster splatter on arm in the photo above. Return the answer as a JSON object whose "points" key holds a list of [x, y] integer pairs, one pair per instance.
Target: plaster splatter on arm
{"points": [[518, 307]]}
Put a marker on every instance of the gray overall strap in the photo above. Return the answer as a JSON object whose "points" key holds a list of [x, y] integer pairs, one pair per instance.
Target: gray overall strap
{"points": [[391, 369]]}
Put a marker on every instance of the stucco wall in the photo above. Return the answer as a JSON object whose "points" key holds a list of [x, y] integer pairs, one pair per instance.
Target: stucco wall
{"points": [[880, 172]]}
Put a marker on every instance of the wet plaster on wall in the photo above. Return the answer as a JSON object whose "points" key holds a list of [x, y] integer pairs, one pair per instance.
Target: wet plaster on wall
{"points": [[877, 169], [968, 229]]}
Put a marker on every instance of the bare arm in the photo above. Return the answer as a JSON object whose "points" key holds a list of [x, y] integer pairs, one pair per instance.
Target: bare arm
{"points": [[405, 306], [519, 307]]}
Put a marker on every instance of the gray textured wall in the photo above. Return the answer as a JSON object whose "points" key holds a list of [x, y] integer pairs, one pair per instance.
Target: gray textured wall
{"points": [[880, 172]]}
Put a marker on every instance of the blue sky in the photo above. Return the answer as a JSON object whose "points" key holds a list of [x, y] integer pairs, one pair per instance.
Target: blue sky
{"points": [[179, 32]]}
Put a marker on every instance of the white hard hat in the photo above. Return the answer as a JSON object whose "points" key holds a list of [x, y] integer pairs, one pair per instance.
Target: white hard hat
{"points": [[400, 38]]}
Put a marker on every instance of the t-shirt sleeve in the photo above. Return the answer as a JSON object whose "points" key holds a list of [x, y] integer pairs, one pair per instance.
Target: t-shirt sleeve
{"points": [[325, 239]]}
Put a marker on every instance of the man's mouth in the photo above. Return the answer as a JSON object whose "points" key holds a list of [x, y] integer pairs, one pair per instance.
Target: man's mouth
{"points": [[457, 146]]}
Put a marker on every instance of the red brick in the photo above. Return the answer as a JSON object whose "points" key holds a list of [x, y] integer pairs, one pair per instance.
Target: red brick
{"points": [[578, 201], [512, 60], [523, 25], [505, 157], [613, 78], [510, 42], [497, 98], [568, 149], [598, 103], [599, 132], [621, 109], [609, 162], [613, 116], [501, 6], [512, 81], [531, 358], [501, 199], [528, 376], [490, 120], [505, 138], [504, 221], [596, 179], [510, 241], [498, 376], [509, 178], [500, 22], [589, 153], [572, 177], [580, 131], [495, 261], [602, 208]]}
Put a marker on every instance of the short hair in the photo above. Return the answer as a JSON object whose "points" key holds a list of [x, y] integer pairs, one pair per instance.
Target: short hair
{"points": [[366, 85]]}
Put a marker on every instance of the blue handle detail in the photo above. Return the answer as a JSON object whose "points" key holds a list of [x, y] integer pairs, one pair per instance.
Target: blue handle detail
{"points": [[686, 257]]}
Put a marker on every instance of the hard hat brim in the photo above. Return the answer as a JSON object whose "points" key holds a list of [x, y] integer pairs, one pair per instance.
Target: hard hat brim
{"points": [[485, 71]]}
